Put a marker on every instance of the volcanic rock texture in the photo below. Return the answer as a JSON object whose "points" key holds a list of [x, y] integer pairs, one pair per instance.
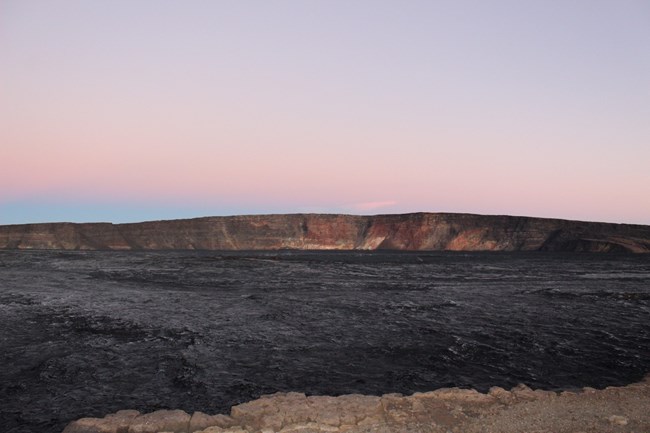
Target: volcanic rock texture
{"points": [[614, 409], [419, 231]]}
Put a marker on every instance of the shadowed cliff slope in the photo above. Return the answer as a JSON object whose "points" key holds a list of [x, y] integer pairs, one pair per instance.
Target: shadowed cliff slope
{"points": [[418, 231]]}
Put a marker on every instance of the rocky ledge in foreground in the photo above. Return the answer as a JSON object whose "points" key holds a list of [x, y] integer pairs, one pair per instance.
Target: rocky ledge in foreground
{"points": [[614, 409], [417, 231]]}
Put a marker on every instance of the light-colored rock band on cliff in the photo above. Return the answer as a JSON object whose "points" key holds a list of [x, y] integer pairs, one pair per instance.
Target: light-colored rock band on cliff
{"points": [[418, 231], [614, 409]]}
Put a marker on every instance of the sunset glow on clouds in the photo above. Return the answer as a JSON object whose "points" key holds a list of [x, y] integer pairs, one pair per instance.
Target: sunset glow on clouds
{"points": [[132, 110]]}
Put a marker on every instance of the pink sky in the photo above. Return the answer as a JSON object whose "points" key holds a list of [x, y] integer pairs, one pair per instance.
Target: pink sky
{"points": [[373, 107]]}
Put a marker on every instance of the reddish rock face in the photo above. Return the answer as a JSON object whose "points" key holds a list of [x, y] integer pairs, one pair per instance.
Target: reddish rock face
{"points": [[420, 231]]}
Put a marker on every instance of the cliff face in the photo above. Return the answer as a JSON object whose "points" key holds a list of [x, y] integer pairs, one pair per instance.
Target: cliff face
{"points": [[419, 231]]}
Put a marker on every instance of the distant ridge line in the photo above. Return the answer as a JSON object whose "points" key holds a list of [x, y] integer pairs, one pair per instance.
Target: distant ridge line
{"points": [[420, 231]]}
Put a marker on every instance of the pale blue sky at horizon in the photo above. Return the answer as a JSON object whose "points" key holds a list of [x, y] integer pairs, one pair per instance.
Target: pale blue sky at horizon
{"points": [[127, 111]]}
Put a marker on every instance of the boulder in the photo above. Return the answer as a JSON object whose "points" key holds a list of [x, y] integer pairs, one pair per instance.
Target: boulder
{"points": [[201, 421], [176, 421], [113, 423]]}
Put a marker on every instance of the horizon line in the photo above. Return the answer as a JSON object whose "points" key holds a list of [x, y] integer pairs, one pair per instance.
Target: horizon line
{"points": [[326, 214]]}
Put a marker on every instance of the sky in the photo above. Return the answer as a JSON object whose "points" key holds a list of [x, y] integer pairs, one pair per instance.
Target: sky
{"points": [[132, 110]]}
